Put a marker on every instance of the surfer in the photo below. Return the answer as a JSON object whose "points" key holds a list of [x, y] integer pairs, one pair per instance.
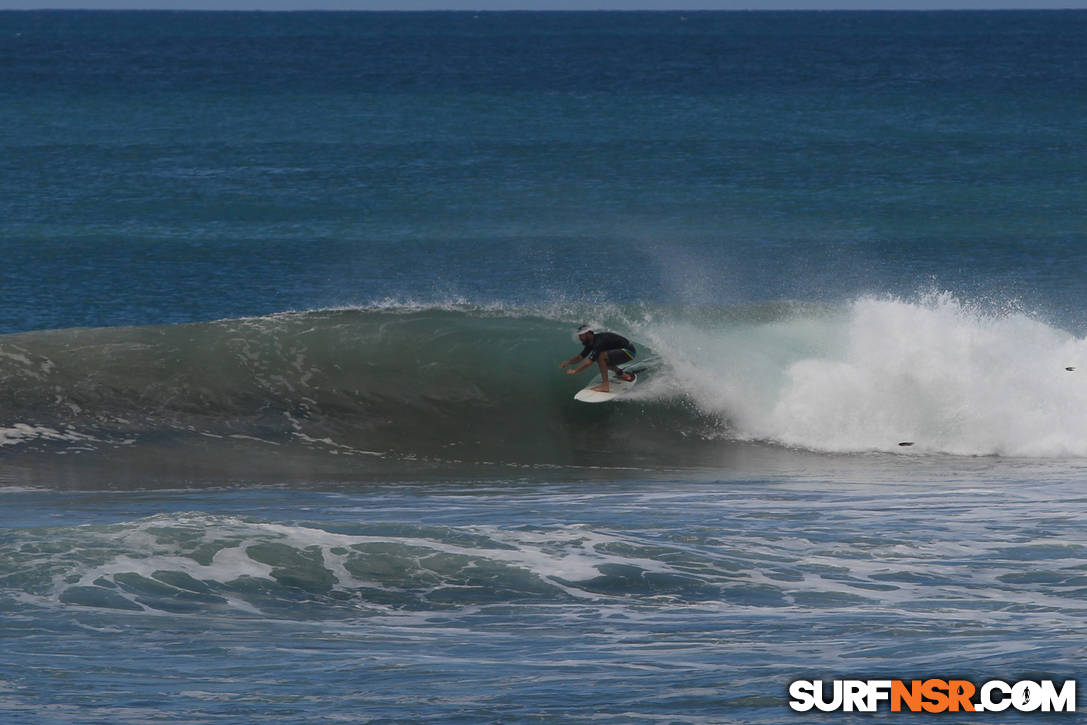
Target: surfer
{"points": [[607, 350]]}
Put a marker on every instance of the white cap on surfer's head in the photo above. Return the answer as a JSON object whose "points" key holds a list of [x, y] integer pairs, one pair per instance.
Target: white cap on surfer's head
{"points": [[583, 330]]}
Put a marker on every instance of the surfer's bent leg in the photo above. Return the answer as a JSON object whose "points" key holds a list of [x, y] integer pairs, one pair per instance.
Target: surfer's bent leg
{"points": [[602, 361], [618, 357]]}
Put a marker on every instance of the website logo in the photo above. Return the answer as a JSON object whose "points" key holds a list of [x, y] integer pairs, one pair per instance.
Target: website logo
{"points": [[932, 695]]}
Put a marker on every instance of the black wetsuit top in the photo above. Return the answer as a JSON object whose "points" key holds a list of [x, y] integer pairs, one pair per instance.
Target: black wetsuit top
{"points": [[605, 341]]}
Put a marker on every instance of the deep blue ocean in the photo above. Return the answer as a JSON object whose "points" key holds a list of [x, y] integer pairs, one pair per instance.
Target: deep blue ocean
{"points": [[283, 297]]}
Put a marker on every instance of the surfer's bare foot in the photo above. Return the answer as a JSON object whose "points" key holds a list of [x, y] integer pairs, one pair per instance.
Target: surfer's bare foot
{"points": [[602, 388]]}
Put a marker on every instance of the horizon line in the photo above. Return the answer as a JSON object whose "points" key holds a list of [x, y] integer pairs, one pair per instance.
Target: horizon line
{"points": [[1054, 8]]}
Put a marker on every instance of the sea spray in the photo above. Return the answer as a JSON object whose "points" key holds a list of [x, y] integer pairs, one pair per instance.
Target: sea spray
{"points": [[939, 373]]}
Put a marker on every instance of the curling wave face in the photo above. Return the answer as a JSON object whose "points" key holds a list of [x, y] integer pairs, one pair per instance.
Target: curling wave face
{"points": [[433, 385], [459, 385]]}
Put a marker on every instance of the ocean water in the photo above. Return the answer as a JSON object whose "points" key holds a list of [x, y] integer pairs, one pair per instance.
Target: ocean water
{"points": [[283, 296]]}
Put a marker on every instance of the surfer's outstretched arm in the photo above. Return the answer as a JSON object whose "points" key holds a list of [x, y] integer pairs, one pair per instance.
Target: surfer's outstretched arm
{"points": [[571, 361], [579, 368]]}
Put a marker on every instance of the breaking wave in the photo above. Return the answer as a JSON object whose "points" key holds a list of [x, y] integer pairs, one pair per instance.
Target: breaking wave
{"points": [[448, 385]]}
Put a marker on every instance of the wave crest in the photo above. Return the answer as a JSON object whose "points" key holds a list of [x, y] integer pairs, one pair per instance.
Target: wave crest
{"points": [[459, 384]]}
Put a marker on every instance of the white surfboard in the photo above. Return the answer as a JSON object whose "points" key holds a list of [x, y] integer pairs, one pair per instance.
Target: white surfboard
{"points": [[618, 388]]}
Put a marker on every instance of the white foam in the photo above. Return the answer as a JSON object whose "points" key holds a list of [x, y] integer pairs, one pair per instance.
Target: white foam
{"points": [[23, 432], [937, 373]]}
